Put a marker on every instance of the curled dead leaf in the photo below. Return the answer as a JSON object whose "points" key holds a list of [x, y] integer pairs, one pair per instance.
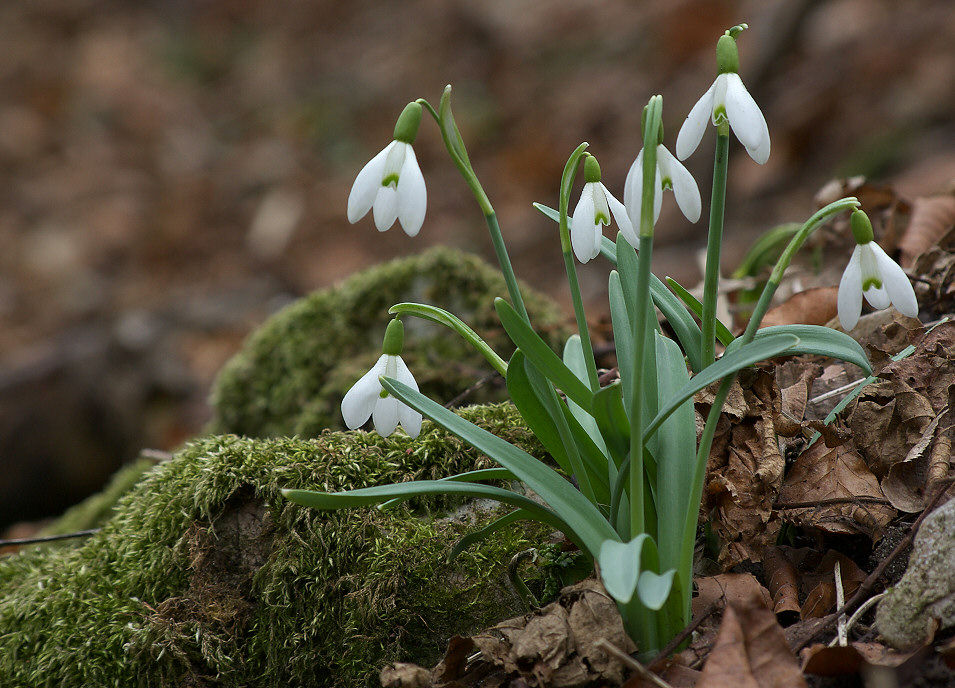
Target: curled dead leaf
{"points": [[932, 217]]}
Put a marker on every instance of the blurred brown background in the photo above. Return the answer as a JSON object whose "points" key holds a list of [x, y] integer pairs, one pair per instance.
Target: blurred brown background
{"points": [[172, 171]]}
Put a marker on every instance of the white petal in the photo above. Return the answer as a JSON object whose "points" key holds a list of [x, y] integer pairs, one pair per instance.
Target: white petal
{"points": [[691, 133], [746, 119], [365, 189], [619, 214], [409, 419], [633, 186], [877, 297], [386, 207], [412, 195], [896, 283], [850, 292], [633, 197], [385, 415], [360, 400], [583, 232], [685, 190]]}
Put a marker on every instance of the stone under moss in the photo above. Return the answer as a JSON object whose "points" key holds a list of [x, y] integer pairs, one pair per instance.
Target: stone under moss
{"points": [[291, 374], [205, 576]]}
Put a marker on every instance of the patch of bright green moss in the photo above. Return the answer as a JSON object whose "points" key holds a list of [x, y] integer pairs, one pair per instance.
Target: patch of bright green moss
{"points": [[291, 374], [206, 576]]}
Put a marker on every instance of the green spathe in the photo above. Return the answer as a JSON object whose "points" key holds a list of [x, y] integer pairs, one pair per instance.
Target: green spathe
{"points": [[206, 576], [406, 128]]}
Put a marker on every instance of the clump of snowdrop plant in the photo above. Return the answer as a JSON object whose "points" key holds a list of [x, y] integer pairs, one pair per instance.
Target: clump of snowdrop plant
{"points": [[629, 469]]}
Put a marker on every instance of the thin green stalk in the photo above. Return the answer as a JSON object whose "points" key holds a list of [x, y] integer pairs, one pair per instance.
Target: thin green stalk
{"points": [[566, 248], [459, 155], [714, 244], [651, 137]]}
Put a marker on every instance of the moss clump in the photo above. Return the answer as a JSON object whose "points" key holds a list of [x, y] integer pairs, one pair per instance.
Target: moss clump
{"points": [[292, 373], [206, 576]]}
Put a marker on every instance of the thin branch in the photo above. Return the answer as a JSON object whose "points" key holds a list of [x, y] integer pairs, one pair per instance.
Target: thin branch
{"points": [[48, 538]]}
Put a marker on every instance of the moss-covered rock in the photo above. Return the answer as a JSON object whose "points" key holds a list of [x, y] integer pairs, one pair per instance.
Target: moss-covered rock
{"points": [[291, 374], [206, 576]]}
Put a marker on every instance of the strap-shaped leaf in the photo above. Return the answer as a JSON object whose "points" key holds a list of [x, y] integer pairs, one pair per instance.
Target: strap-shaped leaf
{"points": [[612, 420], [589, 525], [732, 361], [821, 341], [541, 355], [488, 530]]}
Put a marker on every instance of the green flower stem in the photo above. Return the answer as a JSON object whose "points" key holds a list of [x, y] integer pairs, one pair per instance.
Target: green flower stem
{"points": [[641, 339], [776, 276], [454, 143], [706, 440], [714, 243], [566, 248]]}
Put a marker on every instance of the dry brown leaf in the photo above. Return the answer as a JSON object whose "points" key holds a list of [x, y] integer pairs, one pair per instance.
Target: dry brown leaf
{"points": [[555, 646], [815, 306], [910, 482], [867, 658], [744, 472], [728, 588], [820, 582], [783, 581], [822, 473], [751, 651], [932, 217], [404, 675]]}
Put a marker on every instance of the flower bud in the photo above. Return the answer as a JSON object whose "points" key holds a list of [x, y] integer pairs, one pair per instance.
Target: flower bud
{"points": [[591, 169], [394, 338]]}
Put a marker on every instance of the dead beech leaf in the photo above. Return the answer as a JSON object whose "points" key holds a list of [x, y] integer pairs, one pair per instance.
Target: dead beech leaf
{"points": [[865, 658], [404, 675], [744, 472], [750, 651], [911, 481], [932, 217], [815, 306], [821, 585], [556, 646], [839, 473], [783, 581], [728, 588]]}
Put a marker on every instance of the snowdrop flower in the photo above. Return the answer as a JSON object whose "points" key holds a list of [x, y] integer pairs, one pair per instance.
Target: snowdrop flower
{"points": [[592, 212], [368, 399], [392, 182], [671, 174], [873, 274], [727, 100]]}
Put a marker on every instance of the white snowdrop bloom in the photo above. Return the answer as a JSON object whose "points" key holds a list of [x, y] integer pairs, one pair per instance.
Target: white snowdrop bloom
{"points": [[593, 210], [391, 183], [871, 273], [671, 174], [726, 100], [368, 399]]}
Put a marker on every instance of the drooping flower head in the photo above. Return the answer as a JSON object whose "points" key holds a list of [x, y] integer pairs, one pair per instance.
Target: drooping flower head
{"points": [[391, 182], [593, 210], [368, 399], [871, 273], [671, 174], [726, 101]]}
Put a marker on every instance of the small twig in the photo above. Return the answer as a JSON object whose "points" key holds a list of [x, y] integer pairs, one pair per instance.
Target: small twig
{"points": [[685, 633], [857, 614], [631, 663], [841, 634], [470, 390], [873, 578], [48, 538]]}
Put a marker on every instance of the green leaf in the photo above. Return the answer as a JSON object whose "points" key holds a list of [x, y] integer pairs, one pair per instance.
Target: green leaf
{"points": [[722, 331], [622, 320], [449, 320], [368, 496], [533, 411], [821, 341], [612, 421], [731, 362], [674, 446], [469, 476], [620, 566], [590, 528], [488, 530], [653, 590], [542, 356]]}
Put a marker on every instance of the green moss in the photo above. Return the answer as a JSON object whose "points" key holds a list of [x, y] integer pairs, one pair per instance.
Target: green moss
{"points": [[206, 576], [290, 376]]}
